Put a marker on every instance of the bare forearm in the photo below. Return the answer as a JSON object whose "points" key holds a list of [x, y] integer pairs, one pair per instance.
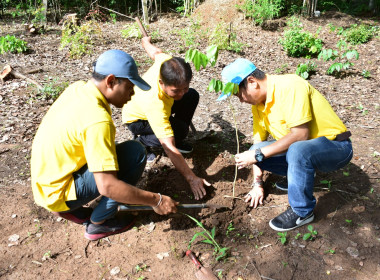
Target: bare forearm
{"points": [[111, 187], [150, 49], [179, 162]]}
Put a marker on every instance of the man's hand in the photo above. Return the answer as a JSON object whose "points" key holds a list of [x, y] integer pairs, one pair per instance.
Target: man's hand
{"points": [[166, 206], [196, 185], [150, 49], [245, 159], [255, 196]]}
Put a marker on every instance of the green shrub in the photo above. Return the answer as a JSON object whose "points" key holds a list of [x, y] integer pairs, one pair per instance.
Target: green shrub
{"points": [[80, 39], [52, 90], [304, 69], [131, 31], [358, 34], [299, 43], [261, 10], [11, 44], [345, 60]]}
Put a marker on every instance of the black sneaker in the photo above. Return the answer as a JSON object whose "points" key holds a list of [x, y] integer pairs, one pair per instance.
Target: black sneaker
{"points": [[290, 220], [109, 227], [282, 184], [184, 148]]}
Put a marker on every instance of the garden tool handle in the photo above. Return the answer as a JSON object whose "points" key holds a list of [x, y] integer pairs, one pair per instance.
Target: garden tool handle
{"points": [[193, 258], [142, 29]]}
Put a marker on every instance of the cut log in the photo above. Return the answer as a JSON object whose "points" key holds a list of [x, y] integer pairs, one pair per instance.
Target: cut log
{"points": [[7, 71]]}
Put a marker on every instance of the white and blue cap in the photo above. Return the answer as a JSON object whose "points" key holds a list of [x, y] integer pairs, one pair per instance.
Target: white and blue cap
{"points": [[235, 73], [120, 64]]}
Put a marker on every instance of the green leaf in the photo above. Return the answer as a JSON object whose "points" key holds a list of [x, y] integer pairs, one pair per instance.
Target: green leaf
{"points": [[208, 241], [212, 53], [212, 85], [310, 227], [213, 232], [306, 236]]}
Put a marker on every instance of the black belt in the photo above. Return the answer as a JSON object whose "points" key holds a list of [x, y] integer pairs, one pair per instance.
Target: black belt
{"points": [[343, 136]]}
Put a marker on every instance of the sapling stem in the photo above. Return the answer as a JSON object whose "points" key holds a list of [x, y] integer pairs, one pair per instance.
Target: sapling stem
{"points": [[237, 145]]}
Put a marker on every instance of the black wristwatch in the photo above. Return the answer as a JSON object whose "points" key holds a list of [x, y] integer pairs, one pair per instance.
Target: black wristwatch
{"points": [[259, 156]]}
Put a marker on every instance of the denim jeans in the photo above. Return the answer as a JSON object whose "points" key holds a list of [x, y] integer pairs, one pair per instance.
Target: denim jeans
{"points": [[300, 162], [131, 156], [182, 113]]}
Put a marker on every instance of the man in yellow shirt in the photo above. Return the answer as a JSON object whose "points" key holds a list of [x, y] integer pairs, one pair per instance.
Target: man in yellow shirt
{"points": [[308, 136], [161, 116], [75, 159]]}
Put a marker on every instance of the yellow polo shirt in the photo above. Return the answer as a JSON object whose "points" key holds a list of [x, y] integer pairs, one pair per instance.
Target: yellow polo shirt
{"points": [[292, 101], [154, 105], [77, 130]]}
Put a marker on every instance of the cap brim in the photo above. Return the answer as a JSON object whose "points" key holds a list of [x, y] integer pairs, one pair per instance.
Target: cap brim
{"points": [[139, 82]]}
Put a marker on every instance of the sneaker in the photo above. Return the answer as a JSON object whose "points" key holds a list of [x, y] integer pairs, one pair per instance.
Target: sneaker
{"points": [[282, 184], [80, 216], [109, 227], [184, 148], [150, 157], [290, 220]]}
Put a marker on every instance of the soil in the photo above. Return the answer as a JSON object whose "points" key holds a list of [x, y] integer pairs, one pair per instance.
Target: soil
{"points": [[34, 244]]}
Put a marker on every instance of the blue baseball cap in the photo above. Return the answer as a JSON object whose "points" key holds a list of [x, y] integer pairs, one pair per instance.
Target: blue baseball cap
{"points": [[235, 73], [120, 64]]}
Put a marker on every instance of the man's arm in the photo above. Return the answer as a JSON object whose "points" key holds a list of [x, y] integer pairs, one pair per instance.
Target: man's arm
{"points": [[110, 186], [150, 49], [196, 183], [297, 133]]}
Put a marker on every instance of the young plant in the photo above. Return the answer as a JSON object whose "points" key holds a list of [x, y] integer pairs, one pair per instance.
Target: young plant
{"points": [[230, 228], [80, 39], [326, 182], [330, 251], [225, 39], [366, 74], [311, 235], [200, 59], [305, 69], [11, 44], [299, 43], [52, 90], [209, 238], [282, 237]]}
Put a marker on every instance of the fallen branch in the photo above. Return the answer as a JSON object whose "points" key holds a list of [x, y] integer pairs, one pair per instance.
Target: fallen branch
{"points": [[115, 12], [7, 70]]}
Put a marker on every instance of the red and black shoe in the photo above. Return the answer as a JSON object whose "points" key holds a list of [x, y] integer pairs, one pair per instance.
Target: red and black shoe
{"points": [[80, 216], [109, 227]]}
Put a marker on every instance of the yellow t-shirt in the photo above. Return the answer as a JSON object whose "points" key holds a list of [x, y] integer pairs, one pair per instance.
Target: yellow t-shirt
{"points": [[154, 105], [77, 130], [292, 101]]}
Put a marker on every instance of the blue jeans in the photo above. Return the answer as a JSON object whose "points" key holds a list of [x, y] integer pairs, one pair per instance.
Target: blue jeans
{"points": [[299, 164], [131, 156]]}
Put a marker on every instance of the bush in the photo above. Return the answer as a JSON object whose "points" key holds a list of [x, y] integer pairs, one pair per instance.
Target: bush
{"points": [[261, 10], [80, 39], [299, 43], [12, 44], [358, 34]]}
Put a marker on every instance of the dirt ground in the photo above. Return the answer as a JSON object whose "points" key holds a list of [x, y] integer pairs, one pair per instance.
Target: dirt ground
{"points": [[36, 245]]}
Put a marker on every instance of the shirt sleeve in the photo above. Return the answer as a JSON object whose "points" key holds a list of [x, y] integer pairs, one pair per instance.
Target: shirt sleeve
{"points": [[99, 147]]}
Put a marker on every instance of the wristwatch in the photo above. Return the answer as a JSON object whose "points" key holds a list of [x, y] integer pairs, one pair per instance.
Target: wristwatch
{"points": [[259, 156]]}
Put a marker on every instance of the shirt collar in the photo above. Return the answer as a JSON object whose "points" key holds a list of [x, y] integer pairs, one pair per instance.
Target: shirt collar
{"points": [[96, 92]]}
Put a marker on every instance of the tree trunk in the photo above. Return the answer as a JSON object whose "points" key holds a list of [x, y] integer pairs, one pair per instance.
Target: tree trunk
{"points": [[145, 11], [44, 12], [371, 5]]}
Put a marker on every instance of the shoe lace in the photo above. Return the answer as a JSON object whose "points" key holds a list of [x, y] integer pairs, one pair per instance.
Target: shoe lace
{"points": [[289, 214]]}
